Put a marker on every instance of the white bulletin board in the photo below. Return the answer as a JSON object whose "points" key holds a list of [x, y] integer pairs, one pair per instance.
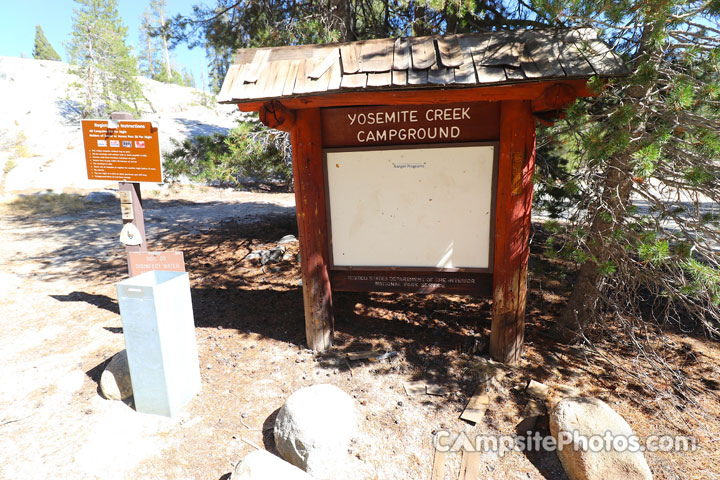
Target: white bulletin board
{"points": [[412, 207]]}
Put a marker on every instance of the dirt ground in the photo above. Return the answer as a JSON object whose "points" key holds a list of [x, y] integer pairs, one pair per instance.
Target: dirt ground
{"points": [[60, 259]]}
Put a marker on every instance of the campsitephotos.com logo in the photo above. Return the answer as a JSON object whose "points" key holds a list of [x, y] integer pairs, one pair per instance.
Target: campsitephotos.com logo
{"points": [[445, 441]]}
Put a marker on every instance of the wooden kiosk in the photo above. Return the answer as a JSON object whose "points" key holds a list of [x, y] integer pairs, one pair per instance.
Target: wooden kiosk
{"points": [[413, 159]]}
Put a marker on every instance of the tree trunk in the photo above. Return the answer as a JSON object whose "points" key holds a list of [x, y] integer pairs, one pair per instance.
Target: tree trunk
{"points": [[151, 68], [581, 308], [165, 47], [90, 76], [344, 12], [419, 27]]}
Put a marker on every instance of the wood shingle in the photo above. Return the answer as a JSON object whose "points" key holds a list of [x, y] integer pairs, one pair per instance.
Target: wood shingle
{"points": [[453, 61]]}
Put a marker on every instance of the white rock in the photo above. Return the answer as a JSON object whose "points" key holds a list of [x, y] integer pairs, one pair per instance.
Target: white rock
{"points": [[263, 465], [115, 382], [273, 255], [537, 390], [287, 239], [588, 417], [313, 430]]}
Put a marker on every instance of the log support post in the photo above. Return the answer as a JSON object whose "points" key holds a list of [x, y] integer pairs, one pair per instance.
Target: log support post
{"points": [[512, 229], [308, 173]]}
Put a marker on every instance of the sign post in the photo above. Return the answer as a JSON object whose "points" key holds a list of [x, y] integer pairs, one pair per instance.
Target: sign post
{"points": [[131, 202], [128, 151]]}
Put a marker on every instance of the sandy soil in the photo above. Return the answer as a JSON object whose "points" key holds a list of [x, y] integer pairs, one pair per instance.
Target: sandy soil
{"points": [[61, 325]]}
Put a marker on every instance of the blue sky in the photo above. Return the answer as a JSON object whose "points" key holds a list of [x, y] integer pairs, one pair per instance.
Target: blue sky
{"points": [[19, 17]]}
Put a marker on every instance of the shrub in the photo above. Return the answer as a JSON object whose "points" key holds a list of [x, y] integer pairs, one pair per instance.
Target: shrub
{"points": [[249, 153]]}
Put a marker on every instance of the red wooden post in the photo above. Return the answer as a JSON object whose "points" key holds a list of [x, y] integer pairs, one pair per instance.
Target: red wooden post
{"points": [[512, 229], [309, 182]]}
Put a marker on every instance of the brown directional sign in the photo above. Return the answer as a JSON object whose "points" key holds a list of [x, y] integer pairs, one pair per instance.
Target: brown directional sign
{"points": [[141, 262], [130, 152]]}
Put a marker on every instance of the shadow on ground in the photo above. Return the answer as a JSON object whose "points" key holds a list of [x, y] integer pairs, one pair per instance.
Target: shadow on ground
{"points": [[434, 334]]}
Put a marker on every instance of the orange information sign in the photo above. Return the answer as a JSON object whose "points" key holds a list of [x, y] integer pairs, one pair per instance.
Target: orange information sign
{"points": [[130, 152], [141, 262]]}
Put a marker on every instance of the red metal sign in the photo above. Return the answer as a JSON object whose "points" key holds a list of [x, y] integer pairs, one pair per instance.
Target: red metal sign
{"points": [[141, 262]]}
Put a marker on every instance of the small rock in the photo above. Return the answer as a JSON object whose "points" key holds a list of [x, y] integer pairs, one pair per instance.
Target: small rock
{"points": [[274, 255], [533, 410], [489, 370], [254, 255], [287, 239], [537, 390], [263, 465], [474, 346], [100, 197], [589, 417], [115, 382], [313, 430]]}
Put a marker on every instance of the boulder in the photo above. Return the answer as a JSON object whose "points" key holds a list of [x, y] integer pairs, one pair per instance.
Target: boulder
{"points": [[100, 197], [591, 418], [313, 430], [115, 381], [263, 465]]}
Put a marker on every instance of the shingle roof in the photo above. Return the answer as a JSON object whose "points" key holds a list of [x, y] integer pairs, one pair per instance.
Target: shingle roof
{"points": [[467, 60]]}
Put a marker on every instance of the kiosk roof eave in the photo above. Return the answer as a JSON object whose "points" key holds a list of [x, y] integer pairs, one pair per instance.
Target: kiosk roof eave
{"points": [[492, 93]]}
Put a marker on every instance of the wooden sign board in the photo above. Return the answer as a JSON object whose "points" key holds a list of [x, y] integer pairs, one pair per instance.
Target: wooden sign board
{"points": [[141, 262], [410, 124], [428, 207], [130, 152]]}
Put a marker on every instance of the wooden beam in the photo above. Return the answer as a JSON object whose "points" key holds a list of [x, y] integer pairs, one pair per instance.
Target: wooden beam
{"points": [[512, 229], [418, 96], [554, 97], [550, 106], [273, 114], [309, 182]]}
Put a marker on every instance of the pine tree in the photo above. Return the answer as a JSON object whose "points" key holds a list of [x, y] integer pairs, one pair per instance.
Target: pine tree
{"points": [[43, 50], [645, 171], [103, 61], [155, 61], [149, 61], [188, 78], [158, 8]]}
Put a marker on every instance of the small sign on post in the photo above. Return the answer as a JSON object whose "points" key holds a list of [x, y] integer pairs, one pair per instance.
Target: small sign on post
{"points": [[141, 262], [127, 152]]}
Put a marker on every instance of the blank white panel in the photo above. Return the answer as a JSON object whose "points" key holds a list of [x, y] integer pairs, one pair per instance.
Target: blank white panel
{"points": [[414, 207]]}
